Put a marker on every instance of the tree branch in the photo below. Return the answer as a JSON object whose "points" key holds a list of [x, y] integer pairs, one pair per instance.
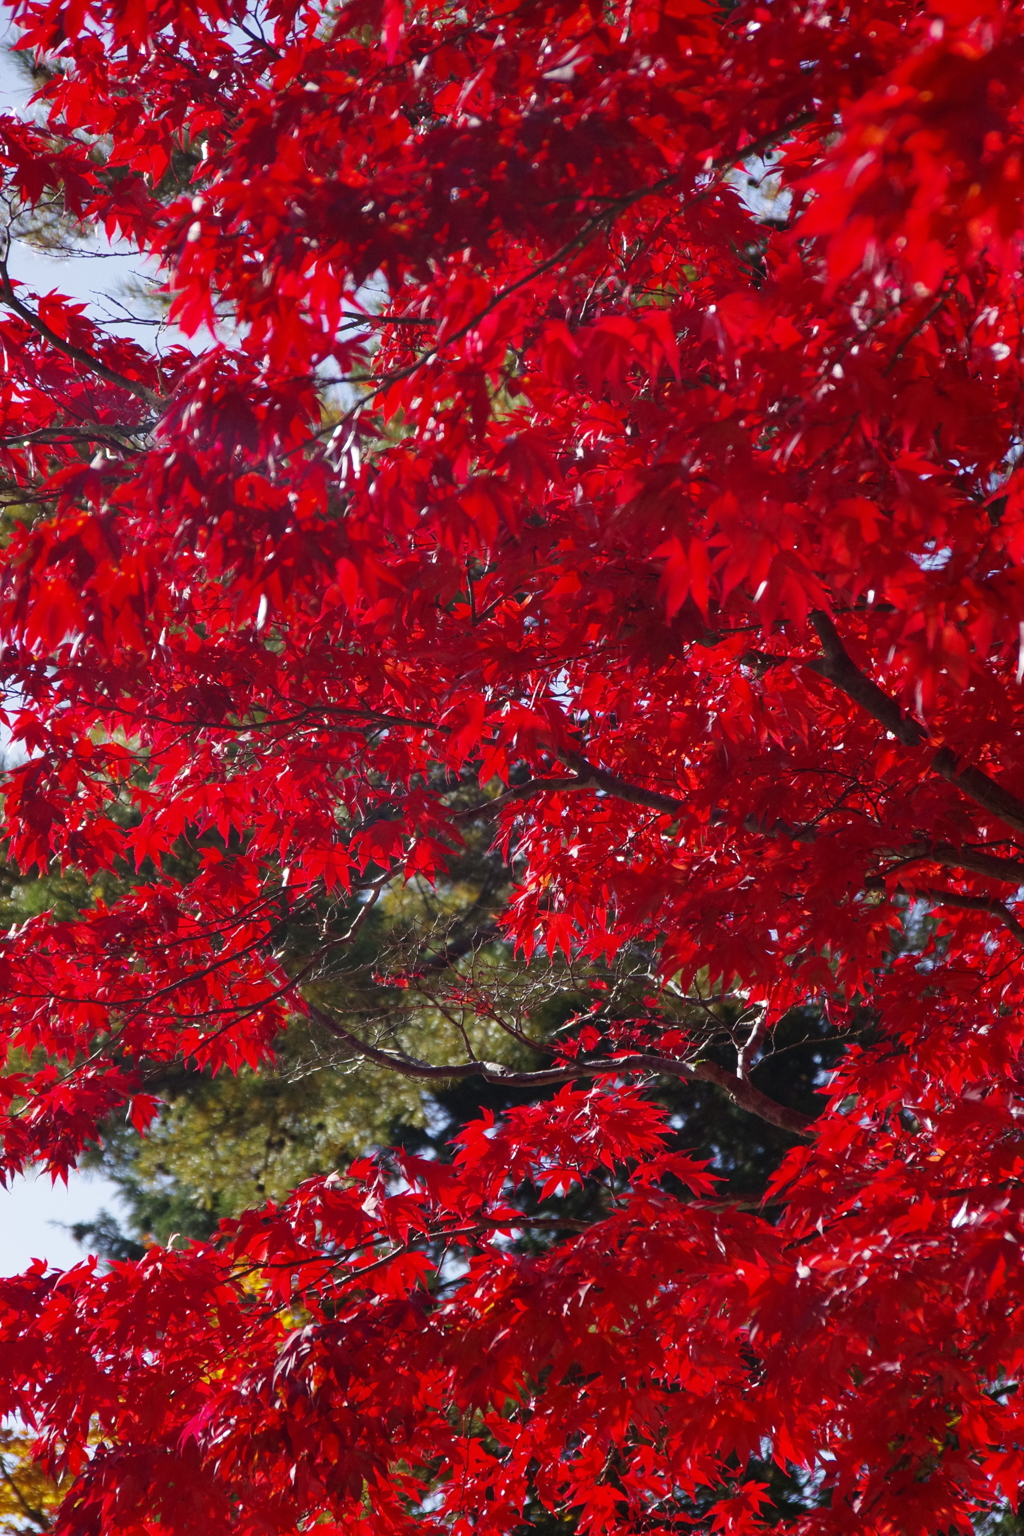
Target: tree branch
{"points": [[750, 1047], [976, 860], [741, 1091], [836, 665], [599, 778], [976, 904], [86, 432], [977, 786], [779, 828], [1008, 871], [77, 354], [519, 792], [587, 777]]}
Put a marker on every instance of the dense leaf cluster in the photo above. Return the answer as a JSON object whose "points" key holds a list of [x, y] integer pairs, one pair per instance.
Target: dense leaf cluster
{"points": [[592, 494]]}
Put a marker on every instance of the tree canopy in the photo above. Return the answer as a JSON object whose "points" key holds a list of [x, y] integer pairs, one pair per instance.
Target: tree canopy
{"points": [[589, 454]]}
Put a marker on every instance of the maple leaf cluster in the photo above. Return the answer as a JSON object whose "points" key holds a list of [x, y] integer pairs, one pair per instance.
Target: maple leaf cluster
{"points": [[601, 422]]}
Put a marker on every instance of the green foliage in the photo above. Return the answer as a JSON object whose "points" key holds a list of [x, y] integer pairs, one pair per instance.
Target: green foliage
{"points": [[28, 1498]]}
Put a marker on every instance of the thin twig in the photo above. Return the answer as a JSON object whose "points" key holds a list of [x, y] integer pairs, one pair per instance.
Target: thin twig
{"points": [[742, 1092], [77, 354]]}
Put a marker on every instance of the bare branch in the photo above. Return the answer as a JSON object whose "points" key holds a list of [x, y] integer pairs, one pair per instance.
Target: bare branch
{"points": [[741, 1091], [750, 1047], [457, 947]]}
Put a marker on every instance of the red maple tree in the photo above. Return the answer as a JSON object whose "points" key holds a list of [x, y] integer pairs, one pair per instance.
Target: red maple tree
{"points": [[671, 484]]}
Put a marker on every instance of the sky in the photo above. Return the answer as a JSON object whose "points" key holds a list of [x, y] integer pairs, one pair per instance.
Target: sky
{"points": [[100, 270], [34, 1213], [34, 1216]]}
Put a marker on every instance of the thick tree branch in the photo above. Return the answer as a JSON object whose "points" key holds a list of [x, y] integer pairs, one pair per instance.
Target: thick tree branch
{"points": [[112, 436], [1008, 871], [975, 904], [740, 1090], [587, 777], [836, 665], [977, 786], [593, 777]]}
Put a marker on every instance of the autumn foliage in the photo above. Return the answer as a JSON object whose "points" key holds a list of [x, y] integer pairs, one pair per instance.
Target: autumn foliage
{"points": [[603, 420]]}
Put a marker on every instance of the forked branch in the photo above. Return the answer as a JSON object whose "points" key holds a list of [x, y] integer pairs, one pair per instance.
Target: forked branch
{"points": [[740, 1090]]}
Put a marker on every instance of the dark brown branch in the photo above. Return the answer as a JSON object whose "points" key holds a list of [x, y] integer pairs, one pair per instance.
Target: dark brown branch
{"points": [[610, 783], [348, 314], [519, 792], [977, 786], [1008, 871], [86, 432], [587, 777], [976, 904], [111, 435], [76, 354], [742, 1092], [836, 665]]}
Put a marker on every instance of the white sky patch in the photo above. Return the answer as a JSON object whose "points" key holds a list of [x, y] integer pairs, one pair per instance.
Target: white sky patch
{"points": [[35, 1213]]}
